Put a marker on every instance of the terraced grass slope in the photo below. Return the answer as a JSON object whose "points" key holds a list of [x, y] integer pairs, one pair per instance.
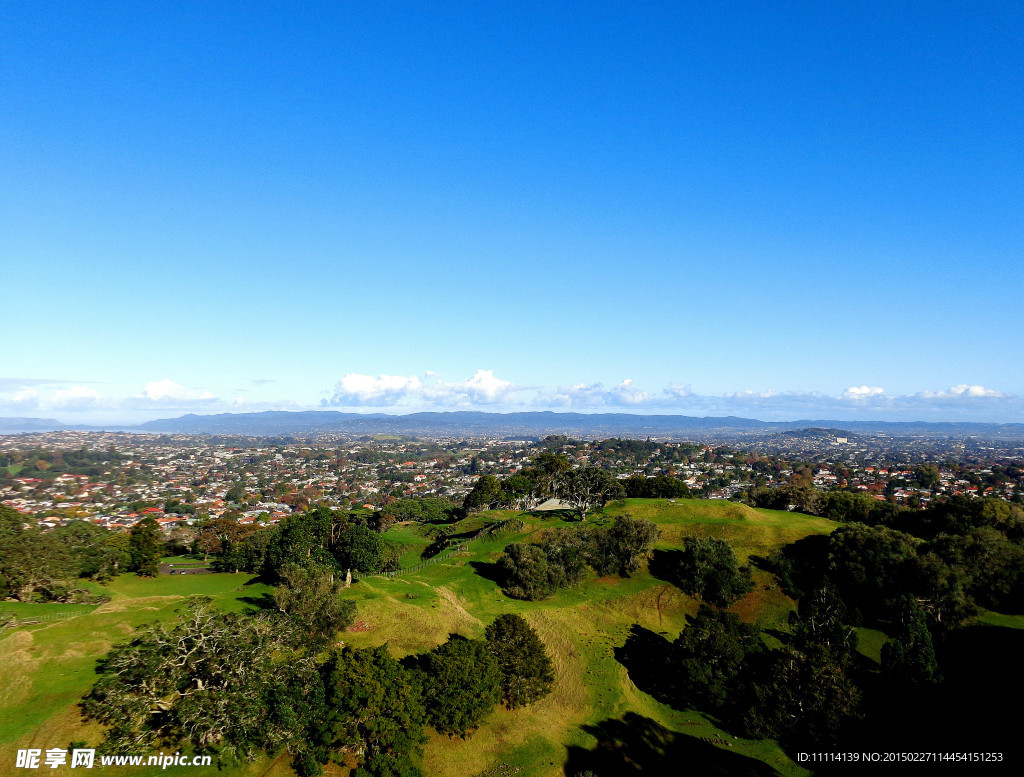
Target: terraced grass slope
{"points": [[44, 669]]}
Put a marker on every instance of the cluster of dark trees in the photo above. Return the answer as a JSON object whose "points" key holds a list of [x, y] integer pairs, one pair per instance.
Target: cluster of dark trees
{"points": [[809, 687], [657, 487], [561, 557], [921, 590], [48, 566], [834, 505], [48, 464], [426, 510], [334, 540], [552, 475], [971, 554], [706, 568], [238, 685], [798, 693]]}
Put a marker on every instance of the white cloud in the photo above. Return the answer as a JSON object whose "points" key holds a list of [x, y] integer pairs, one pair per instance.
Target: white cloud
{"points": [[855, 403], [628, 394], [26, 398], [593, 395], [74, 398], [678, 390], [576, 395], [749, 394], [863, 392], [357, 390], [167, 391], [481, 389], [961, 391]]}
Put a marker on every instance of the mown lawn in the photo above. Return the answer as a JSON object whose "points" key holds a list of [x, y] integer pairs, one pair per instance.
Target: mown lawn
{"points": [[45, 669]]}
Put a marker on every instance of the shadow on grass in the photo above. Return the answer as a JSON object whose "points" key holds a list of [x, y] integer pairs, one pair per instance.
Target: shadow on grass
{"points": [[969, 712], [636, 745], [645, 657], [761, 562], [563, 514], [664, 563], [488, 570], [264, 601]]}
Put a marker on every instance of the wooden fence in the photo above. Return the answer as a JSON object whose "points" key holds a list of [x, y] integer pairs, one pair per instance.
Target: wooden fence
{"points": [[46, 617]]}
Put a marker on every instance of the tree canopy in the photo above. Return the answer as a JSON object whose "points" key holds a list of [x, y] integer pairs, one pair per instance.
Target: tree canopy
{"points": [[375, 712], [146, 547], [311, 598], [527, 673], [461, 682], [208, 679], [707, 567]]}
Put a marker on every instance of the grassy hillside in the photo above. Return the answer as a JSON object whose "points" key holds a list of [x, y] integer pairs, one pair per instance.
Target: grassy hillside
{"points": [[45, 668]]}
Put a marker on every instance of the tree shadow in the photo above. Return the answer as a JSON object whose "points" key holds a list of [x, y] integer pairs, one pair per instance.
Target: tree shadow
{"points": [[488, 570], [635, 745], [645, 656], [761, 562], [563, 514], [800, 566], [264, 601], [784, 637], [968, 712], [438, 546], [664, 563]]}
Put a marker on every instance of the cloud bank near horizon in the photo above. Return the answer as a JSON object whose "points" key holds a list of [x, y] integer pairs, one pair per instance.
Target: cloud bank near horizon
{"points": [[484, 390]]}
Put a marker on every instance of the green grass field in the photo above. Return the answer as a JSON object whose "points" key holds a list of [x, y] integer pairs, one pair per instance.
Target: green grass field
{"points": [[998, 619], [46, 668]]}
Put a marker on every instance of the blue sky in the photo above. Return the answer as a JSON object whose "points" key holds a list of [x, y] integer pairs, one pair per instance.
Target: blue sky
{"points": [[776, 210]]}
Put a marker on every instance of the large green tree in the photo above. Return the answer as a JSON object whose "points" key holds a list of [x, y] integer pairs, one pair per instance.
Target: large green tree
{"points": [[376, 712], [526, 572], [707, 661], [487, 493], [993, 566], [360, 548], [312, 598], [657, 487], [708, 568], [462, 683], [527, 673], [145, 545], [870, 564], [802, 698], [91, 549], [822, 618], [908, 658], [211, 680], [36, 565], [588, 488], [620, 548]]}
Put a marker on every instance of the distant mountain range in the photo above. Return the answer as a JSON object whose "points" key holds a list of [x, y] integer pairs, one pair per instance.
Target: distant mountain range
{"points": [[8, 425], [531, 424]]}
